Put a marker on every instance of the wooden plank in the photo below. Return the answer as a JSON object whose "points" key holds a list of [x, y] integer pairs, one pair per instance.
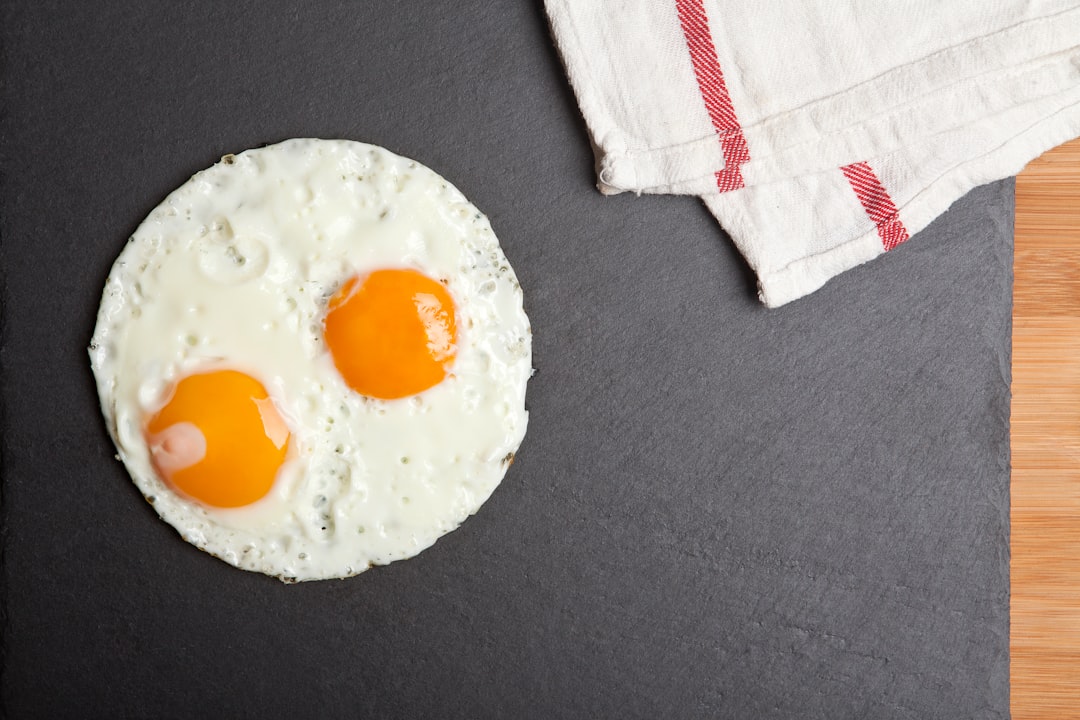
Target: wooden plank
{"points": [[1045, 614]]}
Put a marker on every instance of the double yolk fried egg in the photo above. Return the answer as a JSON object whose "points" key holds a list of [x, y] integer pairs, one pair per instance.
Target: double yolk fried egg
{"points": [[312, 358]]}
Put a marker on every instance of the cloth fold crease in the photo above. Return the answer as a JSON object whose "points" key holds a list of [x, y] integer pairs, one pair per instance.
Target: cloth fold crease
{"points": [[819, 135]]}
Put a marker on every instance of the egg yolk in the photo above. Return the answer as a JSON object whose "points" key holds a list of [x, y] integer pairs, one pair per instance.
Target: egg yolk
{"points": [[219, 439], [392, 333]]}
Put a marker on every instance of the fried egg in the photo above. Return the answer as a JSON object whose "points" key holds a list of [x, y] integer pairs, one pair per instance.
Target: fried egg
{"points": [[312, 358]]}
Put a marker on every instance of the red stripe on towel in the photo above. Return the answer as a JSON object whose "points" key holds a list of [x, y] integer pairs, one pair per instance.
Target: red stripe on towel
{"points": [[710, 80], [877, 203]]}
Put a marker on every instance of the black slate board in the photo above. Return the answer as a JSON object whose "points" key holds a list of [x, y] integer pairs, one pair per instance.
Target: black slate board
{"points": [[719, 510]]}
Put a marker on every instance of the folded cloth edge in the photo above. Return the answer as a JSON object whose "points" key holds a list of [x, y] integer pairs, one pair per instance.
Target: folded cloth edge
{"points": [[805, 275], [626, 163], [687, 169]]}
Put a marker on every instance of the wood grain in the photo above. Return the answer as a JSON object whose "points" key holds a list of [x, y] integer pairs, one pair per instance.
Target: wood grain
{"points": [[1045, 614]]}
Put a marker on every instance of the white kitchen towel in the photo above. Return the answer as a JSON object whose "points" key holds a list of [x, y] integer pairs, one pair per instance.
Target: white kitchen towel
{"points": [[819, 134]]}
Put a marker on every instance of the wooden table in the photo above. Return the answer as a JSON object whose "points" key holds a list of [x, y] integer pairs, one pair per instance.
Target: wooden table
{"points": [[1045, 636]]}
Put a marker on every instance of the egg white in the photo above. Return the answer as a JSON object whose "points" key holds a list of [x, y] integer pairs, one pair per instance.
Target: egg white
{"points": [[234, 269]]}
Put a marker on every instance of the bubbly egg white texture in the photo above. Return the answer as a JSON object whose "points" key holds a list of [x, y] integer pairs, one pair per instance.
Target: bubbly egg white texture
{"points": [[234, 270]]}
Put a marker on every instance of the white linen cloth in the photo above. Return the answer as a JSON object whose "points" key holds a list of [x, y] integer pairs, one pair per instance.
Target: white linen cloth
{"points": [[820, 134]]}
